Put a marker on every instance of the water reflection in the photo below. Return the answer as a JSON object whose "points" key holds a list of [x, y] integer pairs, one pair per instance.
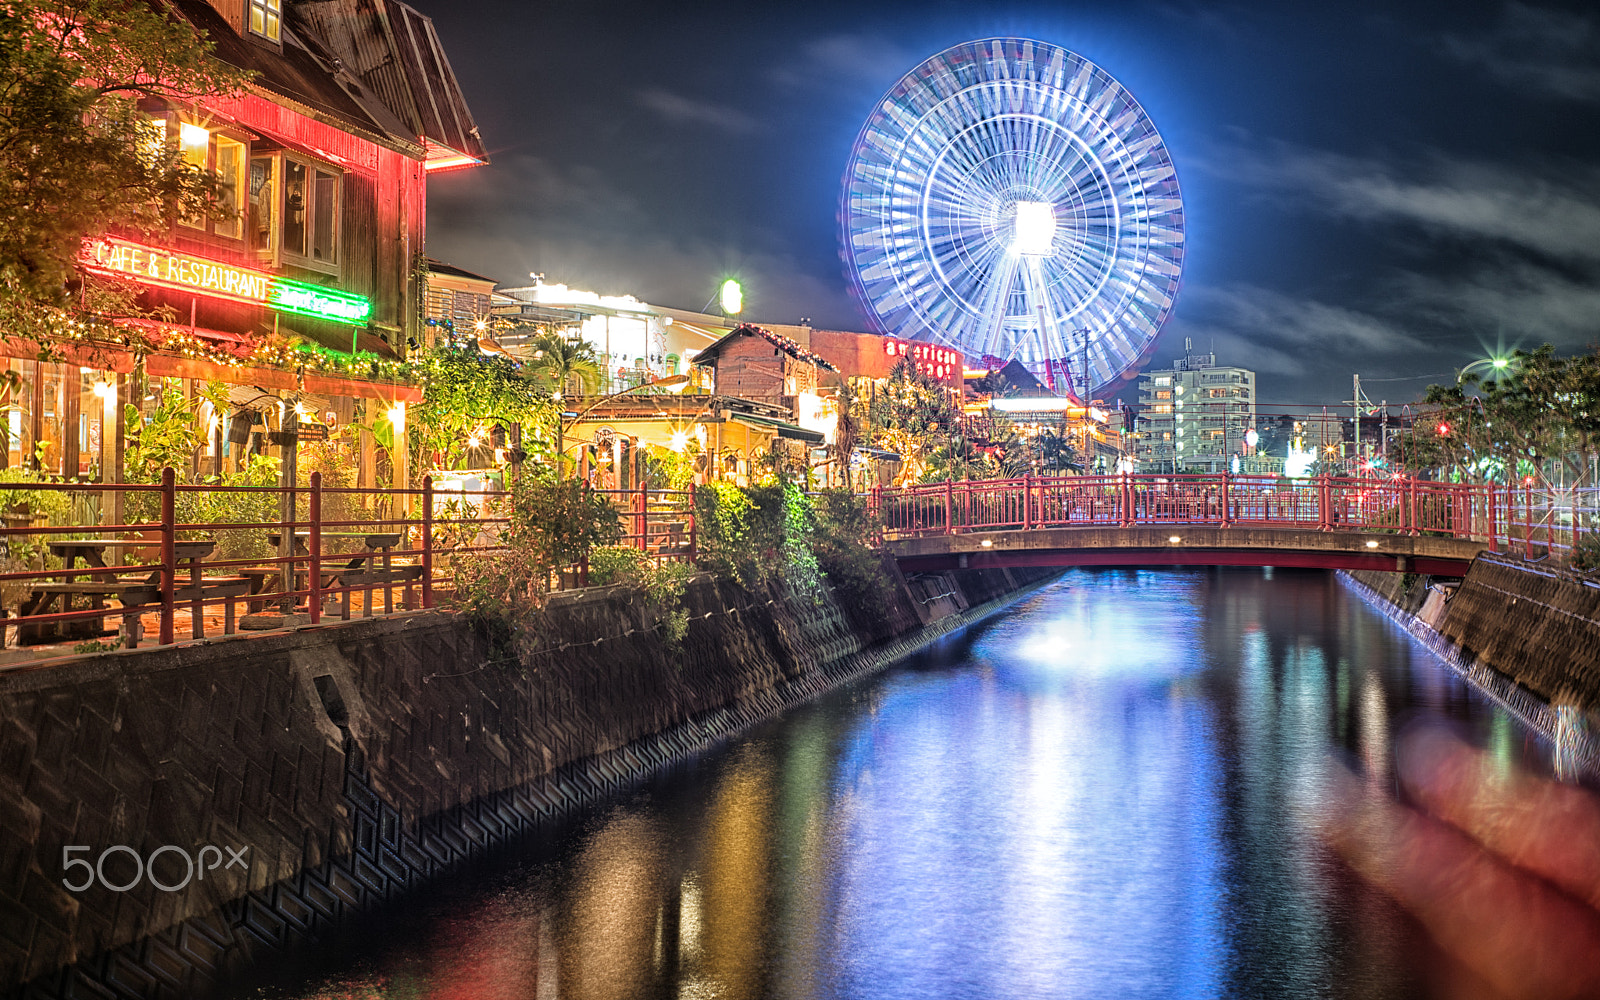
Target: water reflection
{"points": [[1102, 793]]}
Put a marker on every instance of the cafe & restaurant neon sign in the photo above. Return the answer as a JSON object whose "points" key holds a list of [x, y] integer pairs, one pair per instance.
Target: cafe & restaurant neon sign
{"points": [[189, 273]]}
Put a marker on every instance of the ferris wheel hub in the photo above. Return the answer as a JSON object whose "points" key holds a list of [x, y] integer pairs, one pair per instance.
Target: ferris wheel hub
{"points": [[1034, 225]]}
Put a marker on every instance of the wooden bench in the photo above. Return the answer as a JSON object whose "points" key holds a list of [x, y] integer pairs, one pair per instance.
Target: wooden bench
{"points": [[262, 579], [45, 595], [139, 600], [377, 576]]}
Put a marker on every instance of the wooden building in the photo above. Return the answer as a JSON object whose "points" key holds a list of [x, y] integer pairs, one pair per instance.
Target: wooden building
{"points": [[752, 362], [323, 160], [457, 297]]}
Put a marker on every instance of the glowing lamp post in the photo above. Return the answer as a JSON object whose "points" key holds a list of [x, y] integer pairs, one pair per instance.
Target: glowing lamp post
{"points": [[731, 298]]}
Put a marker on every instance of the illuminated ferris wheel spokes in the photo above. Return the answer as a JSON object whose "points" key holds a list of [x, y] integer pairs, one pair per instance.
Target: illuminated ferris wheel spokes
{"points": [[1010, 198]]}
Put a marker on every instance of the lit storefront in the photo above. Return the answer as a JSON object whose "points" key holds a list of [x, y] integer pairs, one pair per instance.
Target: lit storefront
{"points": [[305, 290]]}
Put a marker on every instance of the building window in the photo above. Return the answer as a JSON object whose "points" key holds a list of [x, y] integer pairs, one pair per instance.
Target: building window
{"points": [[202, 149], [294, 210], [263, 205], [265, 16]]}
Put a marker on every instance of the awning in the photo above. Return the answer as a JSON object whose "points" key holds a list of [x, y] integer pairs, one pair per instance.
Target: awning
{"points": [[785, 429], [877, 454]]}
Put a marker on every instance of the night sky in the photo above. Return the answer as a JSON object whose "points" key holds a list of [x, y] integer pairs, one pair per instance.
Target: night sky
{"points": [[1389, 189]]}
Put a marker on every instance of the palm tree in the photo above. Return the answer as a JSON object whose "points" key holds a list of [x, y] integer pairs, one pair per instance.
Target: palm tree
{"points": [[568, 366]]}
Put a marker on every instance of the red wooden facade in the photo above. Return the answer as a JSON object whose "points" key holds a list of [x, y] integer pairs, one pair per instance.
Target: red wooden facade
{"points": [[325, 171]]}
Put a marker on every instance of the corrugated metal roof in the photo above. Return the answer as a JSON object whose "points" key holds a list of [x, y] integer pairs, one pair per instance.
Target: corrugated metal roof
{"points": [[302, 72], [394, 50]]}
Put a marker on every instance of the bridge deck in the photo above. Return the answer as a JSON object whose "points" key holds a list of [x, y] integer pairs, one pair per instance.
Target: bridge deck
{"points": [[1188, 545]]}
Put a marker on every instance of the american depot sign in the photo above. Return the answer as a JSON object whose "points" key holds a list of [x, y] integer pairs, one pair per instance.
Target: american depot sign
{"points": [[188, 273]]}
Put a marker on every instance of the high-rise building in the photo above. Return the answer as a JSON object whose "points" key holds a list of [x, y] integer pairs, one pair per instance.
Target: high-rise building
{"points": [[1195, 415]]}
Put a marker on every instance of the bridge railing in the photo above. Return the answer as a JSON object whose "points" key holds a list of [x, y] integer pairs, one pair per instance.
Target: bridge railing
{"points": [[1325, 503]]}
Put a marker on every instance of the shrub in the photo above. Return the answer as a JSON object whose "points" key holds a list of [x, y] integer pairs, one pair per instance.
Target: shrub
{"points": [[758, 535], [1586, 557], [616, 564], [843, 542], [552, 525]]}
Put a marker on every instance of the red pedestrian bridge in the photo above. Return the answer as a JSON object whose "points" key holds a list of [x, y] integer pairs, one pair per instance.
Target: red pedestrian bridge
{"points": [[1329, 522]]}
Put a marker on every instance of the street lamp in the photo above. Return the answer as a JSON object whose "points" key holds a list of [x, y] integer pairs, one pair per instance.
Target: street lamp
{"points": [[1494, 366], [567, 420]]}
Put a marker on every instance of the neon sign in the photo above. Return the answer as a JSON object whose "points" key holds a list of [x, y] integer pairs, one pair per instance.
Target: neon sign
{"points": [[930, 360], [189, 273], [323, 303]]}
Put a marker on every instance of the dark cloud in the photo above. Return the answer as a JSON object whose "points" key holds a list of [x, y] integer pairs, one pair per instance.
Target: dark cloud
{"points": [[677, 109], [1554, 51], [1553, 209]]}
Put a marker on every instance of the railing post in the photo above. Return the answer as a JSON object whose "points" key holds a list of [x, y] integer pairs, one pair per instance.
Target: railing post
{"points": [[1527, 521], [1125, 501], [641, 523], [694, 539], [1493, 527], [1027, 504], [1324, 504], [169, 550], [314, 545], [1572, 553], [1227, 518], [1411, 487], [949, 506], [427, 540]]}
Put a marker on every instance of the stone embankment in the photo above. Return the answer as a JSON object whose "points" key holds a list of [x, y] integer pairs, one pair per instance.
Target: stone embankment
{"points": [[169, 817], [1527, 635]]}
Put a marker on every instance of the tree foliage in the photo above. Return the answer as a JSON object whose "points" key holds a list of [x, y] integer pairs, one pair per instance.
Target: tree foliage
{"points": [[911, 414], [1539, 410], [464, 390], [78, 156], [565, 366]]}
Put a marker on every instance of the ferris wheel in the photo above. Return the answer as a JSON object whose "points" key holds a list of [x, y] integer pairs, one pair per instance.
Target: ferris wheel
{"points": [[1008, 198]]}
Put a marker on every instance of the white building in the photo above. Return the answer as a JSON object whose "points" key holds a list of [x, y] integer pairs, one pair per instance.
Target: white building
{"points": [[1195, 415]]}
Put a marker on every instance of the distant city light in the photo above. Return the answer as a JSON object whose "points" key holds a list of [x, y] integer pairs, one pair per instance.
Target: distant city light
{"points": [[1035, 229], [1297, 465], [732, 297], [1251, 437]]}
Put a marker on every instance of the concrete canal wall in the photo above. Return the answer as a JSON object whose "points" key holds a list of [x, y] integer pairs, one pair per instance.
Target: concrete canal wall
{"points": [[1536, 626], [279, 785]]}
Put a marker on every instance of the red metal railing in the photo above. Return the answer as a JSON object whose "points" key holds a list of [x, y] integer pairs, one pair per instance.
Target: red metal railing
{"points": [[331, 550], [1325, 503]]}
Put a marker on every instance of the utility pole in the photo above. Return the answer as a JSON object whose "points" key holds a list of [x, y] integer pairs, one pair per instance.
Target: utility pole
{"points": [[1355, 402]]}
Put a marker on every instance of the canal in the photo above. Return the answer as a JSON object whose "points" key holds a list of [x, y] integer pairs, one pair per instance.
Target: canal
{"points": [[1106, 791]]}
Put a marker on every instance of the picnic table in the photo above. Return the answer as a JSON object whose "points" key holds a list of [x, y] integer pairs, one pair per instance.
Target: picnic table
{"points": [[135, 590], [372, 567]]}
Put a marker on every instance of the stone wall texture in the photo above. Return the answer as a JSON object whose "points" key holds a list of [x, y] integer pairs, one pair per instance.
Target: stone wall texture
{"points": [[357, 760], [1540, 626]]}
